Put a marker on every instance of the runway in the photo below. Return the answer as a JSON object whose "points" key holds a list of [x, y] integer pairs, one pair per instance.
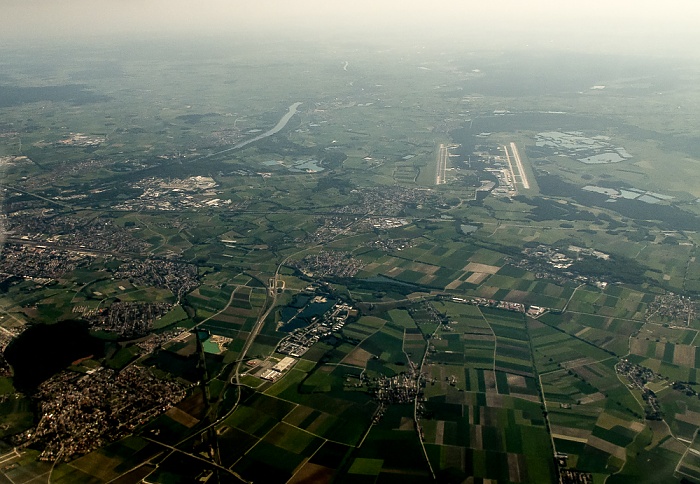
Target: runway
{"points": [[442, 156], [520, 177]]}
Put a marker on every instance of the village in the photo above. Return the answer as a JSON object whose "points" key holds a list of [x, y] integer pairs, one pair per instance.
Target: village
{"points": [[80, 412]]}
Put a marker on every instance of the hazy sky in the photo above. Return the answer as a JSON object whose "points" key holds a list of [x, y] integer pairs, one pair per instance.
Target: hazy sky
{"points": [[663, 27]]}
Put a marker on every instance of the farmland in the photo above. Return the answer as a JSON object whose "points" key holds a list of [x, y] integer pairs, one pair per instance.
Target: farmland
{"points": [[334, 306]]}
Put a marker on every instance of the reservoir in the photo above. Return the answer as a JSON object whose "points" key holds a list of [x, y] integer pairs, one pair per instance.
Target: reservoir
{"points": [[278, 127], [43, 350], [302, 310]]}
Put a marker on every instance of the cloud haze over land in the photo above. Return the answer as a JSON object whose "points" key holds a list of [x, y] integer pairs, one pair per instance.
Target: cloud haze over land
{"points": [[635, 26]]}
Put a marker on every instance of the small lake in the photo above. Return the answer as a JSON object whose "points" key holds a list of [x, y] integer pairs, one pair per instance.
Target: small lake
{"points": [[43, 350], [303, 166], [306, 166], [468, 229], [303, 316]]}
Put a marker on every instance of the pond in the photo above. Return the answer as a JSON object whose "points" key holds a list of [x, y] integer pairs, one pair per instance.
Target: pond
{"points": [[299, 315], [43, 350]]}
